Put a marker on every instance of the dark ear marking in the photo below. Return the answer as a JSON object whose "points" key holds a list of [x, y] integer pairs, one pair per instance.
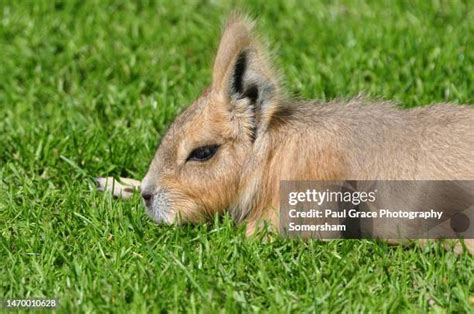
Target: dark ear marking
{"points": [[248, 81], [251, 93], [242, 90], [239, 72], [238, 87]]}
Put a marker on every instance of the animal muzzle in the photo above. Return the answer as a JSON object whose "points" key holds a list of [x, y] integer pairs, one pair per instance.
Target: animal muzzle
{"points": [[157, 205]]}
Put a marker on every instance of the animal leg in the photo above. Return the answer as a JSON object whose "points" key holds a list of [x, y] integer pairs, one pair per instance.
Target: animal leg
{"points": [[121, 188]]}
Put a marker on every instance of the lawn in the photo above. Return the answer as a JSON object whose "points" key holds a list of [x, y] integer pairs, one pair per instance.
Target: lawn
{"points": [[88, 87]]}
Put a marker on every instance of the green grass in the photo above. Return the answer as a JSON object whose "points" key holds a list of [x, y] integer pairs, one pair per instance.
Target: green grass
{"points": [[87, 89]]}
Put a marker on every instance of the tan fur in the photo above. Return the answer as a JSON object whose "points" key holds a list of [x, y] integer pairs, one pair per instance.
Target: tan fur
{"points": [[265, 137]]}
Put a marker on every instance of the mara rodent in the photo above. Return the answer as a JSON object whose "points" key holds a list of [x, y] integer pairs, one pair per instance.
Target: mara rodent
{"points": [[229, 150]]}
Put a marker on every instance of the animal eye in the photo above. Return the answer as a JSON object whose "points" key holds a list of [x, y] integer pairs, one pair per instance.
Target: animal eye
{"points": [[203, 153]]}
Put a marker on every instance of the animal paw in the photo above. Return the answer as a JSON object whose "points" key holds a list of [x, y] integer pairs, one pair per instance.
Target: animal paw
{"points": [[121, 188]]}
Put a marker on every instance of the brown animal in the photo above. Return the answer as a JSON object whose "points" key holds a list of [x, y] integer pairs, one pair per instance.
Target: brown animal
{"points": [[229, 150]]}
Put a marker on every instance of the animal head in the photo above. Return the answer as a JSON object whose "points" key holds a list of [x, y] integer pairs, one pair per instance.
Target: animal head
{"points": [[197, 169]]}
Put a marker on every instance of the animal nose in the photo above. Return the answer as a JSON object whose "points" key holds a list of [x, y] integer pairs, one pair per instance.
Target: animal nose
{"points": [[147, 197]]}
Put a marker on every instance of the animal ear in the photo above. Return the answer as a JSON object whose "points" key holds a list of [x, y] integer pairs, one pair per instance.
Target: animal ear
{"points": [[242, 76]]}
